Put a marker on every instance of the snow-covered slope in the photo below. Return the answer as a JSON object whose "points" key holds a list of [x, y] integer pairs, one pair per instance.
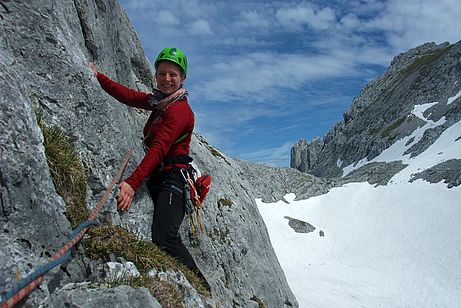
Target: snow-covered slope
{"points": [[443, 149], [417, 95], [396, 245]]}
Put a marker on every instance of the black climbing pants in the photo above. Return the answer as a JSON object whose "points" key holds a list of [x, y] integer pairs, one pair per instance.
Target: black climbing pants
{"points": [[167, 195]]}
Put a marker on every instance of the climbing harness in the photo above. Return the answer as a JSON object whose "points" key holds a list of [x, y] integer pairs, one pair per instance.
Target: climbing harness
{"points": [[26, 285]]}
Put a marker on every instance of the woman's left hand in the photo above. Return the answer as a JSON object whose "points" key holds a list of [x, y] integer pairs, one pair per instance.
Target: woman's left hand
{"points": [[125, 197]]}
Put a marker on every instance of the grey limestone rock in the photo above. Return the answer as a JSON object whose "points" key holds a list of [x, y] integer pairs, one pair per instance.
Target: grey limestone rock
{"points": [[192, 298], [373, 173], [300, 226], [448, 171], [305, 154], [91, 296], [381, 115], [45, 47], [32, 221], [272, 183]]}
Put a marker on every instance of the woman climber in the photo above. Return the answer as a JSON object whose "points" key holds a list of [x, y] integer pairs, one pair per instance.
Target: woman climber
{"points": [[167, 137]]}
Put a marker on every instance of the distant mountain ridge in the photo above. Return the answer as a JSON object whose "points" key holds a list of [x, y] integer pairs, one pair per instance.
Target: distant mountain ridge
{"points": [[382, 114]]}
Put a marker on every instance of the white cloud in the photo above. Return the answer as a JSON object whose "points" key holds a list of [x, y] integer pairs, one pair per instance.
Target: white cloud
{"points": [[194, 9], [245, 42], [350, 21], [200, 27], [306, 14], [275, 156], [259, 76], [253, 19], [166, 18], [365, 7], [408, 24]]}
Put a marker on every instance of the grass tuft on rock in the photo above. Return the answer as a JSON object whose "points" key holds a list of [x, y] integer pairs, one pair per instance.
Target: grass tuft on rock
{"points": [[106, 240], [258, 300], [165, 293], [225, 202], [67, 171]]}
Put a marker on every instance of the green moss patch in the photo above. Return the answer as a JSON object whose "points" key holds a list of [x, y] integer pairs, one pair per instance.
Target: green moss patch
{"points": [[225, 202], [425, 59], [396, 124]]}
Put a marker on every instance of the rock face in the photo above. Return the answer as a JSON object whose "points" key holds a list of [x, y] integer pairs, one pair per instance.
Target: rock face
{"points": [[272, 184], [233, 255], [299, 226], [45, 47], [81, 295], [448, 171], [382, 114], [305, 154]]}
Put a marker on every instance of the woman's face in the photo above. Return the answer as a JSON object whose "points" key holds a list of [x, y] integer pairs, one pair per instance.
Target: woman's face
{"points": [[169, 77]]}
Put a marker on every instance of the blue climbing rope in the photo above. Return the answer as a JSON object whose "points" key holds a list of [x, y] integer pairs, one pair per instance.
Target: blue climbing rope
{"points": [[49, 266]]}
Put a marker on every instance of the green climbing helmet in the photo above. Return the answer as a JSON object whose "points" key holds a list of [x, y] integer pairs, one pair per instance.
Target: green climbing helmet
{"points": [[174, 55]]}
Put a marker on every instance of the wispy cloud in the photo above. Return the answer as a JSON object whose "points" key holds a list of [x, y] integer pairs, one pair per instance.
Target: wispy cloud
{"points": [[306, 14], [200, 27], [253, 19], [407, 24], [259, 76], [166, 18], [275, 156]]}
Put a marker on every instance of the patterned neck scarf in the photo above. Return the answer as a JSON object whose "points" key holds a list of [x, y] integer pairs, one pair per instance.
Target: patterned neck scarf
{"points": [[160, 104]]}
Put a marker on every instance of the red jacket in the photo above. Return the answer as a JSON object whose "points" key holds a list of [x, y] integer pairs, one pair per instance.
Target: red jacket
{"points": [[176, 121]]}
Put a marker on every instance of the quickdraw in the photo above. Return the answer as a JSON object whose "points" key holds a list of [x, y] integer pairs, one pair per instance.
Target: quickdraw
{"points": [[194, 200]]}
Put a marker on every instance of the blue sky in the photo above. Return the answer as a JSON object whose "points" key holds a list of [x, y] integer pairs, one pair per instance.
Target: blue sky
{"points": [[264, 74]]}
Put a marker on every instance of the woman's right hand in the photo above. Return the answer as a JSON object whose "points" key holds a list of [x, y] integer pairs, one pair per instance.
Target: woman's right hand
{"points": [[95, 71], [125, 197]]}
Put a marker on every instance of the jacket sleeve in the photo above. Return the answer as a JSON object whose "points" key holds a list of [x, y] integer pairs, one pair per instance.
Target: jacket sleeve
{"points": [[176, 120], [123, 94]]}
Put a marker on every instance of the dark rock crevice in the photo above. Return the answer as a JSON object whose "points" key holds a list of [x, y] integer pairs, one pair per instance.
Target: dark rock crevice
{"points": [[86, 30]]}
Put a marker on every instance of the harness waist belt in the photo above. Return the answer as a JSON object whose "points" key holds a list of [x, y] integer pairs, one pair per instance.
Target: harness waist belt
{"points": [[179, 159]]}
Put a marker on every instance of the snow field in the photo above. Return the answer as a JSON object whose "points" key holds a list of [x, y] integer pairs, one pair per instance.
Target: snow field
{"points": [[380, 249]]}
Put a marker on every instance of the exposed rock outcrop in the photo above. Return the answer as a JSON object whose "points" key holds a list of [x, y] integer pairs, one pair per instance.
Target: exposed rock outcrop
{"points": [[382, 114], [45, 49], [84, 295], [272, 183], [300, 226], [305, 154], [448, 171]]}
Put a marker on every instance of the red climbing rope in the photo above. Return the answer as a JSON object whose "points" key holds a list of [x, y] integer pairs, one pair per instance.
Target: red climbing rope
{"points": [[28, 288]]}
